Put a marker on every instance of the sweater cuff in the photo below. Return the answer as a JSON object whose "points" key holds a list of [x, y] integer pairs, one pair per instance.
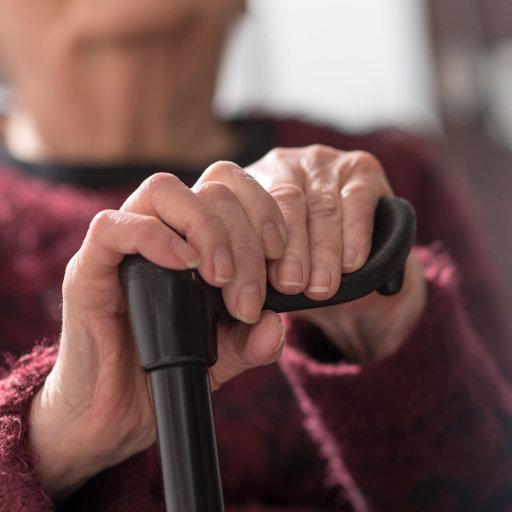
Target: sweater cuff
{"points": [[398, 414], [20, 380]]}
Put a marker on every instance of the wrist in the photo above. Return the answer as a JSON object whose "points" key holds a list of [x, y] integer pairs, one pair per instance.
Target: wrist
{"points": [[373, 327], [62, 464], [382, 326]]}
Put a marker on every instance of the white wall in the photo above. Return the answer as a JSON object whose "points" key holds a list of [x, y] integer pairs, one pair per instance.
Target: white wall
{"points": [[355, 63]]}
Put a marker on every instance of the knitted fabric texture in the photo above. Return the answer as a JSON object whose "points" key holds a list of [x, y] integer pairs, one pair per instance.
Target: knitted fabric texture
{"points": [[19, 382]]}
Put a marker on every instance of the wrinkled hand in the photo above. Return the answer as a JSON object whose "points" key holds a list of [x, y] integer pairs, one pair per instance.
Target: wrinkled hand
{"points": [[94, 409], [328, 199], [298, 217]]}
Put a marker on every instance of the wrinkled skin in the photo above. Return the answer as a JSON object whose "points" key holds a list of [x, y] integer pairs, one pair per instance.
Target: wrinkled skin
{"points": [[314, 221]]}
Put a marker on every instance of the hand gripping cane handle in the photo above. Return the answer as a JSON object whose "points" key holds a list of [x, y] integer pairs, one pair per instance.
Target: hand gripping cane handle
{"points": [[173, 315]]}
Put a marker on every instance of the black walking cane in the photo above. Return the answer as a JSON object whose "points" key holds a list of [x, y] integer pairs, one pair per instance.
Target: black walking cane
{"points": [[174, 315]]}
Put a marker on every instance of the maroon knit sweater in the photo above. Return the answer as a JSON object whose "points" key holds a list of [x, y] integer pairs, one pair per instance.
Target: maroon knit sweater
{"points": [[428, 428]]}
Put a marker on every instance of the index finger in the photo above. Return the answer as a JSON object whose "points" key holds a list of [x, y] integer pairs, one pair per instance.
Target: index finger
{"points": [[164, 196]]}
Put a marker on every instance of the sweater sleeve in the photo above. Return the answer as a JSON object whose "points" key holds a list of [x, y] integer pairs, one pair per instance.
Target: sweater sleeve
{"points": [[19, 382], [427, 428]]}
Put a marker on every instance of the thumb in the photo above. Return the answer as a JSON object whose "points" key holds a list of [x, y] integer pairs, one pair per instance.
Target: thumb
{"points": [[243, 346]]}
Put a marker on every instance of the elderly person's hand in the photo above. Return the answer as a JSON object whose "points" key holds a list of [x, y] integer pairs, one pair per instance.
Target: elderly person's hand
{"points": [[298, 217], [328, 198]]}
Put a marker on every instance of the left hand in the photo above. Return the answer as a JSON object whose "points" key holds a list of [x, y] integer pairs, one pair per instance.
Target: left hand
{"points": [[328, 199]]}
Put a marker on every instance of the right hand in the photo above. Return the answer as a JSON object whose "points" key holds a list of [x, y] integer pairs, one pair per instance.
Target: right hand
{"points": [[94, 409]]}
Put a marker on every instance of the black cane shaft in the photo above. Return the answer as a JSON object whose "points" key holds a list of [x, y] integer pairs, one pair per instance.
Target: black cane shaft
{"points": [[186, 439]]}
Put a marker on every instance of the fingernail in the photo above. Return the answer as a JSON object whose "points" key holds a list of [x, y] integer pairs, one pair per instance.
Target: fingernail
{"points": [[272, 240], [349, 257], [249, 303], [281, 341], [193, 263], [223, 267], [320, 281], [290, 273], [186, 253]]}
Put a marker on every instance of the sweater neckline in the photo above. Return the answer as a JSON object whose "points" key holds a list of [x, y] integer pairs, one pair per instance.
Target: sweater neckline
{"points": [[257, 139]]}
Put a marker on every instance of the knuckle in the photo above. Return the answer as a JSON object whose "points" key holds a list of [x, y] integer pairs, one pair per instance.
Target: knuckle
{"points": [[219, 197], [319, 161], [323, 205], [279, 157], [326, 251], [288, 192], [105, 222], [213, 190], [312, 152], [279, 153], [355, 189], [365, 161], [158, 180], [221, 169], [321, 151], [101, 220], [248, 251]]}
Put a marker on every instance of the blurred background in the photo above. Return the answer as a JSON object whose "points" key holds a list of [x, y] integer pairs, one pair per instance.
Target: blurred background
{"points": [[443, 69]]}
